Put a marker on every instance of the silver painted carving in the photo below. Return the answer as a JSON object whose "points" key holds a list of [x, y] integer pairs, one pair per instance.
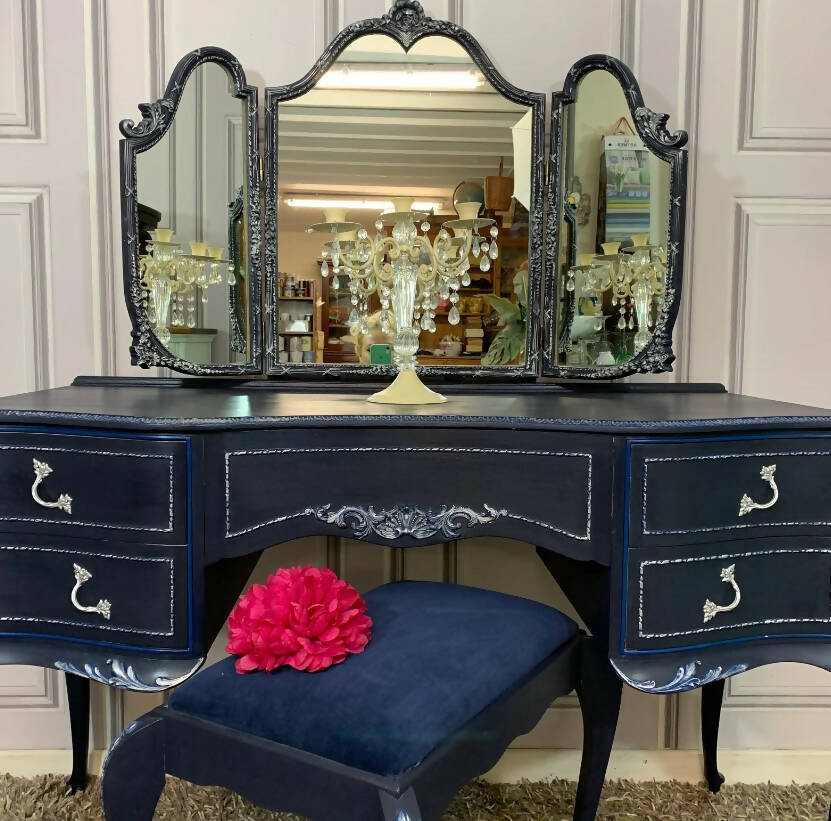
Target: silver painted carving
{"points": [[42, 470], [747, 504], [396, 522], [82, 576], [711, 609], [685, 678], [124, 676]]}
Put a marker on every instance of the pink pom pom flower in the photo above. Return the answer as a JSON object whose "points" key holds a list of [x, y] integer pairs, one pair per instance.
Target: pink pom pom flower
{"points": [[303, 617]]}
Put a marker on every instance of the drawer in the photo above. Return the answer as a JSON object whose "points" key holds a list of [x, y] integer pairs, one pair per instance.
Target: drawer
{"points": [[696, 491], [733, 591], [102, 592], [410, 487], [132, 488]]}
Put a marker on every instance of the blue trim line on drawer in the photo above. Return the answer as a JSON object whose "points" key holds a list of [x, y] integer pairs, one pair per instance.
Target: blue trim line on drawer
{"points": [[115, 434], [625, 568]]}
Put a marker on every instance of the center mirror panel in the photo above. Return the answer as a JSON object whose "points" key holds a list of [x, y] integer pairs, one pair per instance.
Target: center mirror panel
{"points": [[407, 200]]}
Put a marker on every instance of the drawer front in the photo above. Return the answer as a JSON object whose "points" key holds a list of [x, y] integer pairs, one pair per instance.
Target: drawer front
{"points": [[706, 490], [102, 592], [125, 488], [733, 591], [410, 487]]}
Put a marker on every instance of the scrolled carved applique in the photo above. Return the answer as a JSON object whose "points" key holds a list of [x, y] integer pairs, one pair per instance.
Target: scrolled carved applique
{"points": [[654, 123], [686, 678], [407, 13], [124, 677], [154, 118], [450, 521]]}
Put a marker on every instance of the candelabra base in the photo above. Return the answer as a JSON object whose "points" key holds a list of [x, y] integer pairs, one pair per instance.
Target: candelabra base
{"points": [[407, 389]]}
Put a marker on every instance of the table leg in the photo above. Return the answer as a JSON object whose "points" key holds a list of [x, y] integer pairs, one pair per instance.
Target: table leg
{"points": [[711, 698], [77, 691]]}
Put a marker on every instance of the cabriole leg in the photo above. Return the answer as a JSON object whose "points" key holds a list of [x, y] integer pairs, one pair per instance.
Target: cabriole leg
{"points": [[599, 691], [77, 692], [133, 776], [711, 698]]}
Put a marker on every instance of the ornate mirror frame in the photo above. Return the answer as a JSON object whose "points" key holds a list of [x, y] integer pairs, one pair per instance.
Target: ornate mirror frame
{"points": [[406, 23], [146, 351], [658, 355]]}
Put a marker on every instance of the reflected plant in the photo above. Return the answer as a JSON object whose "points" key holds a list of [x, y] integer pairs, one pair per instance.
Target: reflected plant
{"points": [[509, 344]]}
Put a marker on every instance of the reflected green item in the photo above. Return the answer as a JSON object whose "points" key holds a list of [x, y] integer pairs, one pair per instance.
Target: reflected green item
{"points": [[380, 354], [509, 344]]}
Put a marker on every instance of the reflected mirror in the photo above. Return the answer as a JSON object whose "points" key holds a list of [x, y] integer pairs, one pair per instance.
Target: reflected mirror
{"points": [[612, 270], [405, 184], [194, 289]]}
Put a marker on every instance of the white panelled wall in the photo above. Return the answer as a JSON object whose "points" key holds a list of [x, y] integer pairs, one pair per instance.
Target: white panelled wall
{"points": [[743, 76]]}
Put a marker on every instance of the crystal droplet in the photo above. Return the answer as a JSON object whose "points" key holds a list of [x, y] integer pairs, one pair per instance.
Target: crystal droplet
{"points": [[324, 269], [494, 231], [598, 325], [485, 265], [570, 285], [335, 284], [466, 279], [453, 317], [476, 250], [354, 300], [631, 324], [191, 321], [354, 319], [204, 297], [431, 326], [494, 251], [621, 323], [362, 234], [485, 248], [425, 226], [232, 280], [379, 225]]}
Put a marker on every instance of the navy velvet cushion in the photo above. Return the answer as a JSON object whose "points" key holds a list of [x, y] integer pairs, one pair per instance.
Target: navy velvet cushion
{"points": [[439, 654]]}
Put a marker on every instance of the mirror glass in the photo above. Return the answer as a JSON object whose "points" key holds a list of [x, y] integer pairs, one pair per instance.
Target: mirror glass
{"points": [[613, 248], [404, 186], [191, 187]]}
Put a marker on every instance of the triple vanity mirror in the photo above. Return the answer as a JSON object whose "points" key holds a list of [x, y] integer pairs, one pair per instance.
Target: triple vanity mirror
{"points": [[412, 218]]}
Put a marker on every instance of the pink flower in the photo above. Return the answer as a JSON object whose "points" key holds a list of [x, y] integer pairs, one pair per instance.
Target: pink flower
{"points": [[302, 617]]}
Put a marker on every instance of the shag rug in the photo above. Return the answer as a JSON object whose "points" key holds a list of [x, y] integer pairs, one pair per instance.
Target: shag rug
{"points": [[46, 798]]}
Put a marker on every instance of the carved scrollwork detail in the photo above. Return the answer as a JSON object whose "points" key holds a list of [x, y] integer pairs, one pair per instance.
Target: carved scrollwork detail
{"points": [[154, 118], [407, 13], [124, 676], [685, 678], [396, 522], [654, 123]]}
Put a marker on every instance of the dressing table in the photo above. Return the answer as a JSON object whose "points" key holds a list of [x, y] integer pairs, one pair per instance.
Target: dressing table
{"points": [[689, 527]]}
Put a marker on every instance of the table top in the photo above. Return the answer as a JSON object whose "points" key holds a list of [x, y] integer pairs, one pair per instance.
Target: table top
{"points": [[172, 405]]}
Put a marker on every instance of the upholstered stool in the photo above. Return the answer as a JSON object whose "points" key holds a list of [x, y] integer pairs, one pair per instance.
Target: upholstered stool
{"points": [[451, 676]]}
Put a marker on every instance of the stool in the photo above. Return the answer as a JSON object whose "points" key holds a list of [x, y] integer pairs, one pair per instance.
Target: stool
{"points": [[451, 676]]}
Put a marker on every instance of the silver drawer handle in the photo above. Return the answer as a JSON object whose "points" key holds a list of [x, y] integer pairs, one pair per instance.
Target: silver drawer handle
{"points": [[42, 470], [747, 504], [711, 609], [82, 576]]}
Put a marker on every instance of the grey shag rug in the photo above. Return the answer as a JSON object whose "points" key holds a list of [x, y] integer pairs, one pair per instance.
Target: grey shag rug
{"points": [[46, 797]]}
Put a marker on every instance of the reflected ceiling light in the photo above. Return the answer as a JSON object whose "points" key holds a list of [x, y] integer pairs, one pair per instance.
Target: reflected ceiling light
{"points": [[401, 79], [357, 205]]}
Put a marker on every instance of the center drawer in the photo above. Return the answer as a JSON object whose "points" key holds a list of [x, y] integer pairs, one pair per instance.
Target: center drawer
{"points": [[112, 593], [132, 488], [683, 493], [687, 597]]}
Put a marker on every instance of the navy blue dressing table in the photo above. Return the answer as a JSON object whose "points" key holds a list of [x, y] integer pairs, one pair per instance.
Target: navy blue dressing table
{"points": [[124, 555]]}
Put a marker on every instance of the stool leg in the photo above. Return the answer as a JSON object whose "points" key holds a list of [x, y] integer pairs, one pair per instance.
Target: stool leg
{"points": [[77, 692], [400, 809], [711, 698], [599, 691], [133, 776]]}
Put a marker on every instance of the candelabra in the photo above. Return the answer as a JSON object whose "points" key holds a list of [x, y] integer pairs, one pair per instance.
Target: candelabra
{"points": [[410, 274], [172, 280], [637, 279]]}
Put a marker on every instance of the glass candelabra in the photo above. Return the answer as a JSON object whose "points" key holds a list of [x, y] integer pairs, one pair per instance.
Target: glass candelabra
{"points": [[172, 281], [410, 274]]}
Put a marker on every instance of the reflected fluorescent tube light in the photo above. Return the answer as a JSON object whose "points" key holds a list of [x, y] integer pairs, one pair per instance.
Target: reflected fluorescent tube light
{"points": [[401, 79], [357, 205]]}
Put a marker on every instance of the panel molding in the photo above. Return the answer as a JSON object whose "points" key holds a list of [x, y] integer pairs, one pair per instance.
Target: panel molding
{"points": [[32, 205], [750, 213], [41, 690], [754, 136], [26, 123]]}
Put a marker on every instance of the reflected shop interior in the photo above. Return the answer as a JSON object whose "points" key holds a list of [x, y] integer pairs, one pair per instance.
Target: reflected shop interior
{"points": [[392, 160]]}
